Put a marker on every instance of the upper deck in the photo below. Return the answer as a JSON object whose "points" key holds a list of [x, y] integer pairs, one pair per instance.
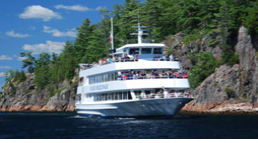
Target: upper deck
{"points": [[143, 64]]}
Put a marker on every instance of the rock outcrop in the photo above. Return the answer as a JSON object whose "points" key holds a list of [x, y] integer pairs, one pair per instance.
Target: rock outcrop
{"points": [[230, 89], [28, 98]]}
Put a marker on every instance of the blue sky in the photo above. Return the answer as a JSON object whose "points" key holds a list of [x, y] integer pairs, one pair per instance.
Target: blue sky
{"points": [[41, 26]]}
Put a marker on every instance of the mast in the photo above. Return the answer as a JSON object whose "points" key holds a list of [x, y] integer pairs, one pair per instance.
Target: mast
{"points": [[111, 36], [140, 31]]}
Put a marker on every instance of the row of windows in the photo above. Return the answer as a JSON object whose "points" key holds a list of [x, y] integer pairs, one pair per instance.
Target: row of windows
{"points": [[131, 75], [103, 78], [133, 51], [112, 96]]}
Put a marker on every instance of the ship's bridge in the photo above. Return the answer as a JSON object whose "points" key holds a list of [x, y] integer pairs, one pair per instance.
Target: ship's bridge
{"points": [[143, 50]]}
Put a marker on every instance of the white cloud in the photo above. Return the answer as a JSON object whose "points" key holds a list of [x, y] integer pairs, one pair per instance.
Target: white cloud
{"points": [[57, 33], [5, 67], [99, 7], [2, 74], [37, 11], [32, 28], [18, 35], [4, 57], [48, 47], [74, 7], [21, 58]]}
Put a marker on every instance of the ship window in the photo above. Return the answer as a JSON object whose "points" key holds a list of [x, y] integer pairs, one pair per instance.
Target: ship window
{"points": [[109, 97], [157, 50], [110, 77], [125, 96], [103, 97], [116, 96], [129, 95], [146, 51], [81, 81], [119, 96], [134, 51], [102, 78]]}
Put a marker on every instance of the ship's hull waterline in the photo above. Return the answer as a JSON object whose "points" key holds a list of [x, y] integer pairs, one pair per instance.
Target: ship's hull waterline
{"points": [[134, 108]]}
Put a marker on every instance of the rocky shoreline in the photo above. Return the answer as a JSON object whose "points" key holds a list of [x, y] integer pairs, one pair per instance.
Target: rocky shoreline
{"points": [[221, 108], [35, 108], [216, 108]]}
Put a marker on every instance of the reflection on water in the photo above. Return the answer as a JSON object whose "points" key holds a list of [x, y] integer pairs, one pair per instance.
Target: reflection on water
{"points": [[70, 125]]}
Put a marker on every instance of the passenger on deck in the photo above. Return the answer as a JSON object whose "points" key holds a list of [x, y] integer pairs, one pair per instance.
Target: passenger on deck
{"points": [[100, 62], [130, 75], [130, 57], [148, 75], [156, 74], [137, 94], [109, 60], [164, 58], [184, 75], [143, 95], [119, 59], [160, 94], [136, 75], [157, 96], [151, 95], [125, 76], [179, 94], [164, 74], [143, 75], [136, 57], [186, 93], [166, 94], [160, 75], [120, 76], [172, 94], [175, 94], [114, 59], [171, 57]]}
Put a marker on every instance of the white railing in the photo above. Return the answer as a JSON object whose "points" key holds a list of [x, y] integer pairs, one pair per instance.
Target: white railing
{"points": [[89, 66], [139, 78]]}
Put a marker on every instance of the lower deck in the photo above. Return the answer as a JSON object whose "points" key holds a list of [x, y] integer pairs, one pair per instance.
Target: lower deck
{"points": [[125, 95], [134, 108]]}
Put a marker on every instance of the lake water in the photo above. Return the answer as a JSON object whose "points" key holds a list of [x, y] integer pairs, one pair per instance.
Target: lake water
{"points": [[70, 125]]}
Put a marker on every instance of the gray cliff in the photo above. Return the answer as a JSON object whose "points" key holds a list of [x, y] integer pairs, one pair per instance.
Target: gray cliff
{"points": [[228, 89], [28, 98]]}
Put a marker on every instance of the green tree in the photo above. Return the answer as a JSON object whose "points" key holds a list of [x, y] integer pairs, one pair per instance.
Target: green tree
{"points": [[22, 76], [42, 77], [16, 76], [205, 66], [9, 75], [252, 19], [29, 62]]}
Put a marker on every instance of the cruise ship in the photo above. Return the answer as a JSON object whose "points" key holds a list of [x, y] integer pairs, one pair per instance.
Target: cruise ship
{"points": [[137, 80]]}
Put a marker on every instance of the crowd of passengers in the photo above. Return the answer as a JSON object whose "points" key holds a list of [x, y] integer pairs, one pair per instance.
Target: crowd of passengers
{"points": [[150, 74], [162, 94], [128, 58]]}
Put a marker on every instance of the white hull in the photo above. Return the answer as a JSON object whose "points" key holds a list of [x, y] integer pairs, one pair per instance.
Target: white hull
{"points": [[134, 108]]}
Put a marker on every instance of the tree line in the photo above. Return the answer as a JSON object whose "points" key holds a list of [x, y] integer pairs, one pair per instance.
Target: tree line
{"points": [[163, 18]]}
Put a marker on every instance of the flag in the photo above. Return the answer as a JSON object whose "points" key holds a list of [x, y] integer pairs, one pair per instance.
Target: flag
{"points": [[110, 38]]}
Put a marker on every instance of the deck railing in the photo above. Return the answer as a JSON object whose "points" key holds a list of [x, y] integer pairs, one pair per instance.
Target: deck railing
{"points": [[89, 66]]}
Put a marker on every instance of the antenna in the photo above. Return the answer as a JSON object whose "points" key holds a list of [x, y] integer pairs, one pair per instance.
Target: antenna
{"points": [[140, 31]]}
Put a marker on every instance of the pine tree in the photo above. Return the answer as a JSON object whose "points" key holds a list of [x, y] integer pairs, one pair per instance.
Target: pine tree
{"points": [[22, 76]]}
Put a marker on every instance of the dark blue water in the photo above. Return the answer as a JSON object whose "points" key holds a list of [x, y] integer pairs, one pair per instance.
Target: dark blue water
{"points": [[70, 125]]}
